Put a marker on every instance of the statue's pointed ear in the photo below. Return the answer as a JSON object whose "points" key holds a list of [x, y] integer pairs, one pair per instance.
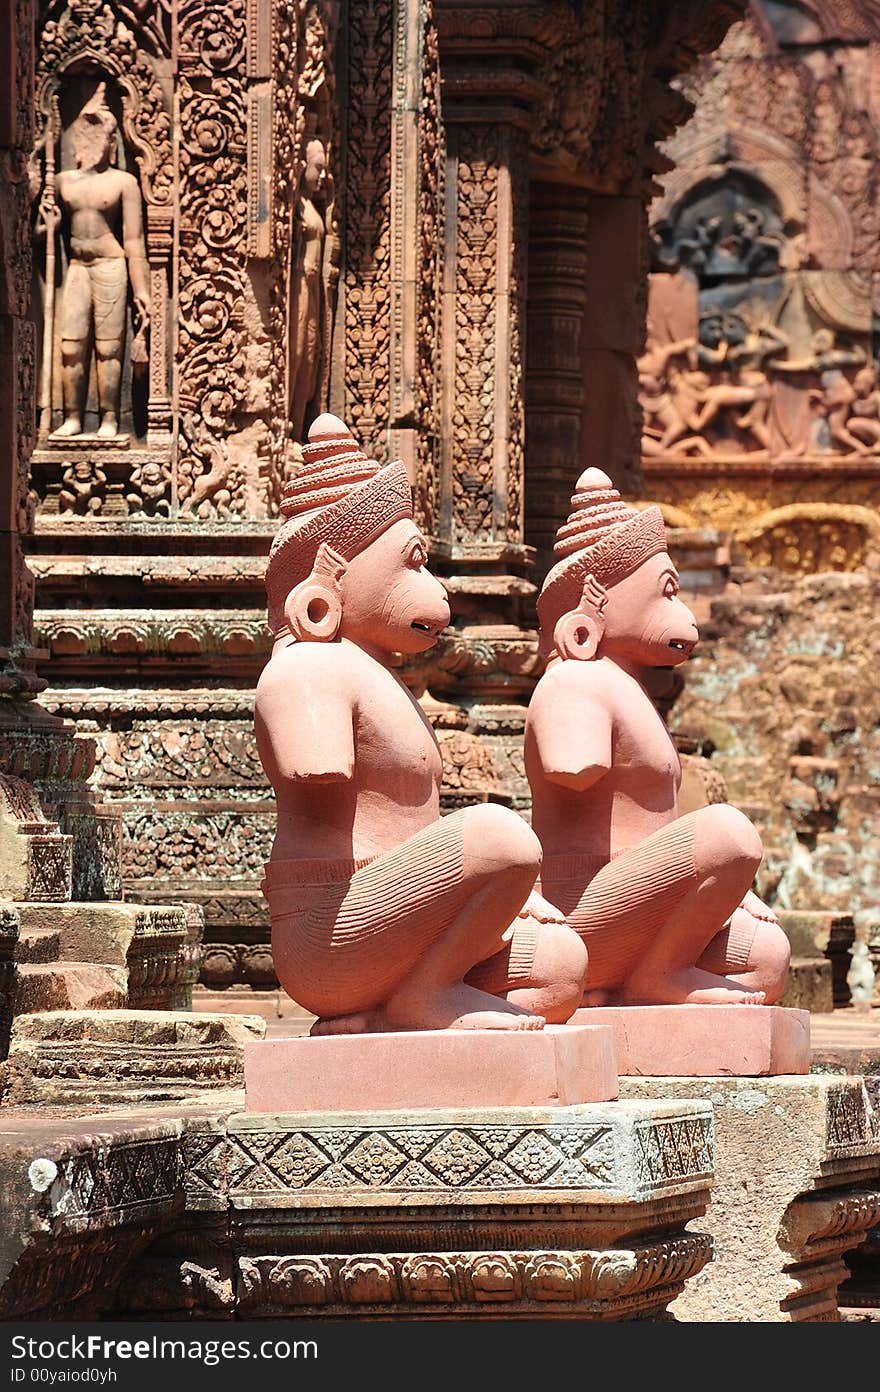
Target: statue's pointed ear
{"points": [[313, 609], [579, 632]]}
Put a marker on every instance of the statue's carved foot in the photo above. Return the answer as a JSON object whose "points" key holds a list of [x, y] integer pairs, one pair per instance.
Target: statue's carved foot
{"points": [[686, 986], [456, 1007], [108, 428], [361, 1022], [71, 426]]}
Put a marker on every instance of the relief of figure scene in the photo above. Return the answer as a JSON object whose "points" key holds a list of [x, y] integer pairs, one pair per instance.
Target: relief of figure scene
{"points": [[749, 351], [95, 284]]}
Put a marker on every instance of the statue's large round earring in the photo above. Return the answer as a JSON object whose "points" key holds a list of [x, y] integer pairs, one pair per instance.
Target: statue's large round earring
{"points": [[577, 635], [313, 612]]}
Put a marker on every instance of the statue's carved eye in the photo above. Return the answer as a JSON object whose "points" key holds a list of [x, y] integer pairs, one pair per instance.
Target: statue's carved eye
{"points": [[418, 557], [670, 587]]}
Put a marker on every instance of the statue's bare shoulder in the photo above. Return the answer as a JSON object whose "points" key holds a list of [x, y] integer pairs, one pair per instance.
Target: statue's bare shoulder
{"points": [[316, 667], [577, 681]]}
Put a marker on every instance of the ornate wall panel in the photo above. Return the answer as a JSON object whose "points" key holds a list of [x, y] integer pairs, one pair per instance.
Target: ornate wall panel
{"points": [[759, 382]]}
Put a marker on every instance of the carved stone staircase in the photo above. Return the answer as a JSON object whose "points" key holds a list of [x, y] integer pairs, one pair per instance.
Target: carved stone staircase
{"points": [[58, 953]]}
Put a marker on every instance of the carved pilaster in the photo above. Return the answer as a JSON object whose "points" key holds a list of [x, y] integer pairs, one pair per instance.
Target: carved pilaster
{"points": [[483, 334], [17, 352], [383, 361], [555, 385]]}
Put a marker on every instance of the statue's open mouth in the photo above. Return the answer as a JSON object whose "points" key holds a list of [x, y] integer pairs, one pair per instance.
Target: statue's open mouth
{"points": [[422, 627], [680, 645]]}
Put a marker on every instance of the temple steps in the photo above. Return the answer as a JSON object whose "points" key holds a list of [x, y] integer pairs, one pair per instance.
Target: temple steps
{"points": [[38, 945], [42, 986]]}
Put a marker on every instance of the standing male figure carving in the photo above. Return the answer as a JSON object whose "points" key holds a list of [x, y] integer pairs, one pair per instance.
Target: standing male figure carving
{"points": [[101, 210]]}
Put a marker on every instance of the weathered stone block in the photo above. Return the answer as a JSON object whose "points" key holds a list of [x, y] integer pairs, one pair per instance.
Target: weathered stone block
{"points": [[103, 1057], [156, 949], [822, 935], [78, 1202], [797, 1185], [809, 985]]}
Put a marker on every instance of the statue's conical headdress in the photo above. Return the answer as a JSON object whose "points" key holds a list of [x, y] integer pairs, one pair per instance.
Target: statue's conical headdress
{"points": [[341, 497], [602, 536]]}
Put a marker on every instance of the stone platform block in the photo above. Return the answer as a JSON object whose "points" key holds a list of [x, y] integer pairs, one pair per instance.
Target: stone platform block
{"points": [[698, 1041], [105, 1057], [797, 1186], [432, 1068], [564, 1212]]}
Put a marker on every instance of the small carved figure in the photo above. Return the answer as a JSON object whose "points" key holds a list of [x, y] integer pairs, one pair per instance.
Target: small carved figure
{"points": [[149, 483], [83, 484], [662, 902], [834, 401], [211, 490], [695, 250], [307, 289], [864, 422], [95, 198], [385, 915], [747, 383], [756, 249], [667, 398]]}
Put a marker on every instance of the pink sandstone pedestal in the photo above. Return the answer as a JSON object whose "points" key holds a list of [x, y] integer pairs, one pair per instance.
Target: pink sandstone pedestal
{"points": [[700, 1041], [555, 1066]]}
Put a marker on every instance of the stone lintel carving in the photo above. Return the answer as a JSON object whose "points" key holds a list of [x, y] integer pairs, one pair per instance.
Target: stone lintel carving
{"points": [[622, 1283]]}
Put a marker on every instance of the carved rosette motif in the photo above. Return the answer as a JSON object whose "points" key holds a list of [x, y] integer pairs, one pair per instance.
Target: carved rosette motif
{"points": [[367, 384], [213, 265]]}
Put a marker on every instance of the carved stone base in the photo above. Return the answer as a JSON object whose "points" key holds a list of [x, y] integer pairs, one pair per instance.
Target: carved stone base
{"points": [[553, 1212], [518, 1213], [696, 1041], [432, 1068], [798, 1185], [113, 1057]]}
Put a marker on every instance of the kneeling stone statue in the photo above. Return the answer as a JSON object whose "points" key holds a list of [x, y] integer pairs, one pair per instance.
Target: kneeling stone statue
{"points": [[662, 902], [385, 915]]}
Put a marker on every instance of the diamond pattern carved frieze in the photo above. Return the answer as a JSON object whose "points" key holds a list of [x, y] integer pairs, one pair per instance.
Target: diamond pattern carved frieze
{"points": [[115, 1182], [674, 1150], [422, 1159]]}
